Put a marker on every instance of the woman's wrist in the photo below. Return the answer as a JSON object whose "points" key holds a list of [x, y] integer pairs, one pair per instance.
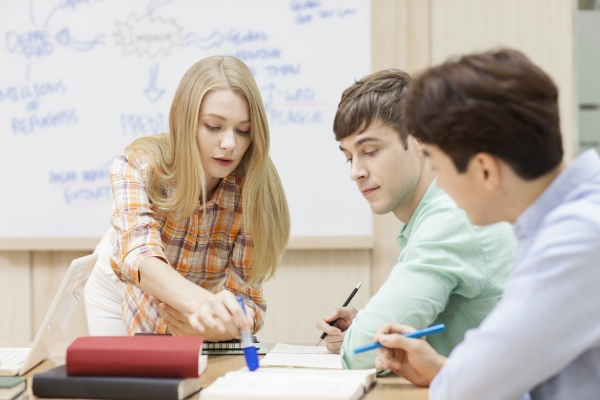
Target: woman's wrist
{"points": [[194, 302]]}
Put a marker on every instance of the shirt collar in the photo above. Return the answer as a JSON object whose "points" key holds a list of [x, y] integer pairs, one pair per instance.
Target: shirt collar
{"points": [[225, 196], [432, 193], [585, 166]]}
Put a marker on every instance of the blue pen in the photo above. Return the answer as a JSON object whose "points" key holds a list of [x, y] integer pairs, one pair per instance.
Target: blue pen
{"points": [[414, 335], [250, 352]]}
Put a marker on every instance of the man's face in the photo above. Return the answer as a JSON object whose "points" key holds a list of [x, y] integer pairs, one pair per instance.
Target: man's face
{"points": [[467, 189], [385, 172]]}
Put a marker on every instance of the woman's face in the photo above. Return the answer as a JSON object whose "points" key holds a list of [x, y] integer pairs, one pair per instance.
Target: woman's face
{"points": [[223, 133]]}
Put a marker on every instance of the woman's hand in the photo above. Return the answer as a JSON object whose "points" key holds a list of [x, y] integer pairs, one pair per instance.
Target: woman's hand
{"points": [[413, 359], [176, 321], [221, 313]]}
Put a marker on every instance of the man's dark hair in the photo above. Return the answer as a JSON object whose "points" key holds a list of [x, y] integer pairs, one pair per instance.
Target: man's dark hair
{"points": [[376, 96], [497, 102]]}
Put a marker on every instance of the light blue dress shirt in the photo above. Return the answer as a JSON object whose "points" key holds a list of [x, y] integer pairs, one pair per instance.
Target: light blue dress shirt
{"points": [[543, 337]]}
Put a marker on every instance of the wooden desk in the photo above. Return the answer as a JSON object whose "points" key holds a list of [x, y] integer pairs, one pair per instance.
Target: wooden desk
{"points": [[387, 388]]}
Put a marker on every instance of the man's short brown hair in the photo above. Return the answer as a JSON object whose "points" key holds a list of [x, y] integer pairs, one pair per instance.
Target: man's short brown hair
{"points": [[497, 102], [376, 96]]}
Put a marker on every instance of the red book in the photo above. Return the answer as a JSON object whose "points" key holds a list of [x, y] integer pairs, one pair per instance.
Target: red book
{"points": [[142, 356]]}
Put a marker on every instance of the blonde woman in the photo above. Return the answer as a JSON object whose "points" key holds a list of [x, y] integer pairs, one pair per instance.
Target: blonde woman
{"points": [[199, 214]]}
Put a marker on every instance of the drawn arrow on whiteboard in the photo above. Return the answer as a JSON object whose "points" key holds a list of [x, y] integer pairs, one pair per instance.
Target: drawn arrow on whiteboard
{"points": [[152, 93]]}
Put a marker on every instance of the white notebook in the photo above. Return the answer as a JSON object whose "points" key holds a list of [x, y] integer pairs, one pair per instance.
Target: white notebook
{"points": [[290, 383], [289, 355]]}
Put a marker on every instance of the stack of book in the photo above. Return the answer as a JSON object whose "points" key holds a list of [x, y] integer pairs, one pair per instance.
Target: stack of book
{"points": [[12, 387], [126, 368]]}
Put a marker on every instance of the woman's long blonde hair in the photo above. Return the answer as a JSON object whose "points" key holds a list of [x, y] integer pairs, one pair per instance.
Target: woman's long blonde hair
{"points": [[176, 178]]}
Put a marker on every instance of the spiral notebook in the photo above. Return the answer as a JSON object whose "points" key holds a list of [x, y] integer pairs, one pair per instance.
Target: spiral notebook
{"points": [[289, 355], [233, 346], [226, 347]]}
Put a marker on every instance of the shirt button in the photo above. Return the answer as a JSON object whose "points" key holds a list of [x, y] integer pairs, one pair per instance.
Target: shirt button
{"points": [[184, 262]]}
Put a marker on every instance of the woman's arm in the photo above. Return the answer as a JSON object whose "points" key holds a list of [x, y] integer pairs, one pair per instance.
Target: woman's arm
{"points": [[158, 279], [218, 316]]}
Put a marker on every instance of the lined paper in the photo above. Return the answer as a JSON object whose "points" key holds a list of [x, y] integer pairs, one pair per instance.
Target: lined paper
{"points": [[289, 355]]}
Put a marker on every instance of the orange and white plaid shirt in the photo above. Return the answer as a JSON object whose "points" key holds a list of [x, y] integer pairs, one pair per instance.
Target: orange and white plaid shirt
{"points": [[210, 248]]}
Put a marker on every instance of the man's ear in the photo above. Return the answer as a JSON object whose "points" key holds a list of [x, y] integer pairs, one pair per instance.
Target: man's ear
{"points": [[487, 169], [417, 143]]}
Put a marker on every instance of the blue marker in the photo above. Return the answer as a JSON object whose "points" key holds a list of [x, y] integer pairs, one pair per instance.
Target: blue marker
{"points": [[250, 352], [414, 335]]}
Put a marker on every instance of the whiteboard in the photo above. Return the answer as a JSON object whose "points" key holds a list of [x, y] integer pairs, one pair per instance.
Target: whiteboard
{"points": [[80, 80]]}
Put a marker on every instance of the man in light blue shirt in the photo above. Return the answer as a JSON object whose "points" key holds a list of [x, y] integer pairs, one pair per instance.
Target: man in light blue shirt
{"points": [[490, 127]]}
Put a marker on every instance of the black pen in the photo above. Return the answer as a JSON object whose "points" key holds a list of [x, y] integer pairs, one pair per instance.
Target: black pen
{"points": [[345, 304]]}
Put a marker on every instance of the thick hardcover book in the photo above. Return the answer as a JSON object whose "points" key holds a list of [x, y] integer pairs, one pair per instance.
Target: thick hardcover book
{"points": [[55, 383], [142, 356]]}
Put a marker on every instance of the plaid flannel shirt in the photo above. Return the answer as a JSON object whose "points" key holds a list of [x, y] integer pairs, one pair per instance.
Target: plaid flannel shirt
{"points": [[210, 248]]}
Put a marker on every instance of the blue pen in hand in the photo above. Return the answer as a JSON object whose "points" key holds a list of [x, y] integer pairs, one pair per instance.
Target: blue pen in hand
{"points": [[414, 335], [250, 353]]}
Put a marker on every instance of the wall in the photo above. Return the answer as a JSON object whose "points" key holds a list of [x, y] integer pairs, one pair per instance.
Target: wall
{"points": [[588, 34], [542, 29]]}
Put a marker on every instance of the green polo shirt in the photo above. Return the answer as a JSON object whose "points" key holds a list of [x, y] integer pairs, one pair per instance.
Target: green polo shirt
{"points": [[449, 272]]}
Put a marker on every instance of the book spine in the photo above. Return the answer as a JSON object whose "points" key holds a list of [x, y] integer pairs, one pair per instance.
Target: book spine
{"points": [[104, 388], [158, 363]]}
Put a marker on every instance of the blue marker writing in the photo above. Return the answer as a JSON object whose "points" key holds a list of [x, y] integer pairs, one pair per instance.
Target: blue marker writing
{"points": [[415, 334], [250, 353]]}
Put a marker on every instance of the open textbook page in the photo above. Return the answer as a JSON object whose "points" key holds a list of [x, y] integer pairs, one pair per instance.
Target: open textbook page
{"points": [[291, 383], [289, 355]]}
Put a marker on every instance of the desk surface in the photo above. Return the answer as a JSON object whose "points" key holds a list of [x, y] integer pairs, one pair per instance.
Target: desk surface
{"points": [[387, 388]]}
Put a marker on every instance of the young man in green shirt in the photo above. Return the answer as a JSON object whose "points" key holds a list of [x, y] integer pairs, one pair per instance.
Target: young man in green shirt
{"points": [[449, 270]]}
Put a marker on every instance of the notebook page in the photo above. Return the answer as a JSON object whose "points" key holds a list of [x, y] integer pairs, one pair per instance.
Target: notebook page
{"points": [[365, 376], [289, 355], [234, 388]]}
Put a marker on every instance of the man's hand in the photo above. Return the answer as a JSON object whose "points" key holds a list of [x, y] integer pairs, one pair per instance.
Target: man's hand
{"points": [[413, 359], [343, 317]]}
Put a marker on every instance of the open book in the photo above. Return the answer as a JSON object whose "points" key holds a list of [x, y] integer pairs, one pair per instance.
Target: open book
{"points": [[289, 355], [291, 383]]}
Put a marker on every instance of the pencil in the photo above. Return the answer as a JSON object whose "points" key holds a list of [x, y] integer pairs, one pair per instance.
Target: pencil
{"points": [[345, 304]]}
